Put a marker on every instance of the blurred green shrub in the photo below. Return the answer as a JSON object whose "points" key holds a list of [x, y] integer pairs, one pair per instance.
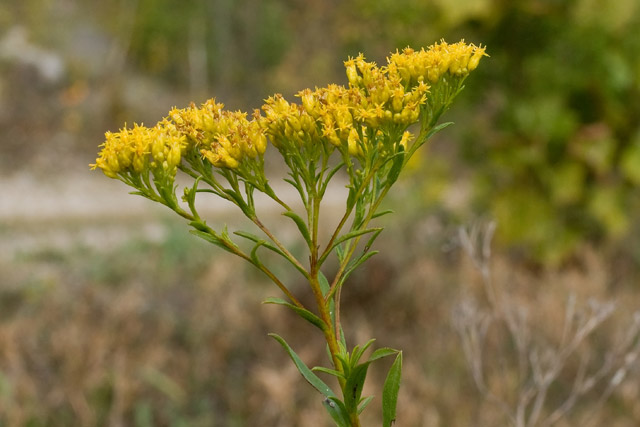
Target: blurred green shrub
{"points": [[214, 39], [555, 151], [563, 163]]}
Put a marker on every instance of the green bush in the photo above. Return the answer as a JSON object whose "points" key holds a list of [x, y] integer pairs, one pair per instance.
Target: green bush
{"points": [[561, 162]]}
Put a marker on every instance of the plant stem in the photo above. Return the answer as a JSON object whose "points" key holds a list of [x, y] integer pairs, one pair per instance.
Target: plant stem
{"points": [[280, 246], [324, 304]]}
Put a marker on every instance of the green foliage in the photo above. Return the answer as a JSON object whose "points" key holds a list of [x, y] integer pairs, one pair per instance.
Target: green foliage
{"points": [[562, 166], [390, 392], [164, 35], [554, 153]]}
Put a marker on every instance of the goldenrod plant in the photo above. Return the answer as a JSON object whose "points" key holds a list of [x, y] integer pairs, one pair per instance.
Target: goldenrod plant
{"points": [[362, 131]]}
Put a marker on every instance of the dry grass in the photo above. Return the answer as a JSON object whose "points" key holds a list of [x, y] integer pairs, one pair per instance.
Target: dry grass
{"points": [[173, 333]]}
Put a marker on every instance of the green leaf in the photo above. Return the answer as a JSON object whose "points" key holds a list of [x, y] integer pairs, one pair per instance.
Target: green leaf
{"points": [[337, 410], [323, 282], [372, 239], [437, 129], [354, 385], [302, 226], [356, 263], [237, 199], [358, 352], [340, 254], [354, 234], [325, 287], [296, 184], [396, 167], [212, 239], [302, 312], [343, 357], [224, 236], [351, 198], [382, 352], [390, 392], [350, 235], [308, 375], [261, 242], [360, 210], [270, 246], [332, 372], [254, 253], [291, 181], [364, 402], [330, 175], [343, 340], [379, 214], [199, 225]]}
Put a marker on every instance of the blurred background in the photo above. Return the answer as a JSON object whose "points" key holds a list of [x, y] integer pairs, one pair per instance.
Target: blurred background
{"points": [[112, 314]]}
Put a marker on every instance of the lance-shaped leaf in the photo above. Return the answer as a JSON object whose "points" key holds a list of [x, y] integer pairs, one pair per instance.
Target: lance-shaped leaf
{"points": [[302, 226], [437, 129], [308, 375], [372, 239], [356, 374], [350, 235], [353, 264], [261, 242], [325, 288], [337, 410], [330, 175], [237, 199], [328, 371], [390, 392], [254, 253], [379, 214], [351, 197], [211, 238], [354, 385], [396, 167], [302, 312], [364, 402], [382, 352], [226, 239]]}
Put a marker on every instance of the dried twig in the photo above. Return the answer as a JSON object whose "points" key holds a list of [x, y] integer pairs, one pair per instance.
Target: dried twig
{"points": [[540, 365]]}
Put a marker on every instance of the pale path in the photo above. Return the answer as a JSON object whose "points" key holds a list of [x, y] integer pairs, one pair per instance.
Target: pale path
{"points": [[91, 209]]}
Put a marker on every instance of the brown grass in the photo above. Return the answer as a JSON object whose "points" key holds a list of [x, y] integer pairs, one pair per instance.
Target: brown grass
{"points": [[173, 333]]}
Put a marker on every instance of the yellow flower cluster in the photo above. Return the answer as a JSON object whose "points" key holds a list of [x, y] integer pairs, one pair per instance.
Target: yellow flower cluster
{"points": [[415, 67], [378, 99], [386, 99], [379, 102], [224, 138], [286, 123], [140, 148], [326, 114]]}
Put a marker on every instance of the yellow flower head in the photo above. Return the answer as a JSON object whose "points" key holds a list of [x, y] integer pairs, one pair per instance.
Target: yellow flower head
{"points": [[429, 65], [379, 103], [224, 138], [284, 121], [131, 151]]}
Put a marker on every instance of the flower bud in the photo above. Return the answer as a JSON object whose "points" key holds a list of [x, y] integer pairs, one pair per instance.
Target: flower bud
{"points": [[353, 143], [352, 73], [174, 155], [261, 143], [475, 58], [406, 138]]}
